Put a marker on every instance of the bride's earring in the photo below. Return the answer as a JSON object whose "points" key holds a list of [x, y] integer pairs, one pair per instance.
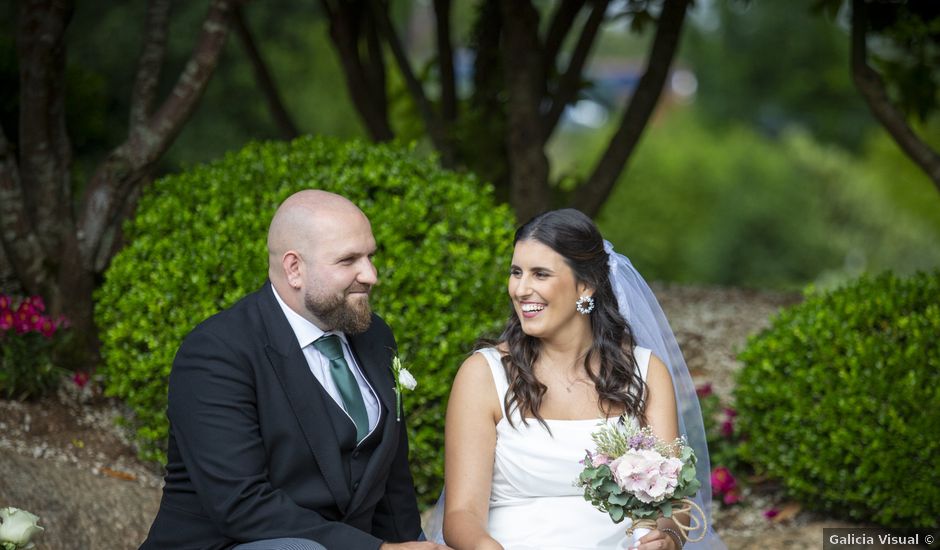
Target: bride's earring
{"points": [[584, 305]]}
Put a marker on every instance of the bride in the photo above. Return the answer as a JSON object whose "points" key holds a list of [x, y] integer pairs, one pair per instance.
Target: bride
{"points": [[522, 411]]}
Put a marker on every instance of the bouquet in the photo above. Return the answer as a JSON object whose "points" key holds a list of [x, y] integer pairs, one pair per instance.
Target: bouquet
{"points": [[634, 474]]}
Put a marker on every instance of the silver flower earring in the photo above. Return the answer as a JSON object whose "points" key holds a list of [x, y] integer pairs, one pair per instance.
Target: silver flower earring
{"points": [[584, 305]]}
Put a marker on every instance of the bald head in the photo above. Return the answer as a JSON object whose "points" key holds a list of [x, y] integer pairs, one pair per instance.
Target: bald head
{"points": [[302, 217]]}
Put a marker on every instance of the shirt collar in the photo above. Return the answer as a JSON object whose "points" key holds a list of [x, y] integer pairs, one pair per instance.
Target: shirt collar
{"points": [[305, 331]]}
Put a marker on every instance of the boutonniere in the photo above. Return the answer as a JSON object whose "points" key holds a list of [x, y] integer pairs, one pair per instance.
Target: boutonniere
{"points": [[403, 379]]}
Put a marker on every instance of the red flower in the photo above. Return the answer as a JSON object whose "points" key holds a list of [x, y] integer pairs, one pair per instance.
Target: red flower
{"points": [[81, 379], [730, 413], [722, 480], [46, 327], [37, 302], [727, 428], [4, 302], [704, 390], [6, 319], [771, 513], [21, 326], [731, 497]]}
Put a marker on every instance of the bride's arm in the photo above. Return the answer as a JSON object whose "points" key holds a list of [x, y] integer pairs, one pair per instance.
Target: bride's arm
{"points": [[470, 445], [663, 417]]}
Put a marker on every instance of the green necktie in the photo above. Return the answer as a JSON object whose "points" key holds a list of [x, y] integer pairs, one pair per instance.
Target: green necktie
{"points": [[332, 348]]}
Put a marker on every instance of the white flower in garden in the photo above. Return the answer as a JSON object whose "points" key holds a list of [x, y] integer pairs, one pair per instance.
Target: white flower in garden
{"points": [[18, 527]]}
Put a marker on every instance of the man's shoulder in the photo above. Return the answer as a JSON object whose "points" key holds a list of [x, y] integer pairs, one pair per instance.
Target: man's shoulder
{"points": [[234, 322]]}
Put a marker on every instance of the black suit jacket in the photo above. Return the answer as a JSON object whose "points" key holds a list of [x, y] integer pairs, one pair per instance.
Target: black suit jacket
{"points": [[252, 454]]}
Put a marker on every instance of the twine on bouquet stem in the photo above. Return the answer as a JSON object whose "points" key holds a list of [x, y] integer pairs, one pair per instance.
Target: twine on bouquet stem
{"points": [[686, 508]]}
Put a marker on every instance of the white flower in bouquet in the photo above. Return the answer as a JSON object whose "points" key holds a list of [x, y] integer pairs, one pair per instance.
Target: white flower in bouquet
{"points": [[17, 528]]}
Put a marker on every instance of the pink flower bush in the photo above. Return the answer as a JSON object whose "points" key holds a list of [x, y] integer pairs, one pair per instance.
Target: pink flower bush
{"points": [[647, 474], [27, 338]]}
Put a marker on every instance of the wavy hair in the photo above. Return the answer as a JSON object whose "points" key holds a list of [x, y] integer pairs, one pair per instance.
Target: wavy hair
{"points": [[573, 235]]}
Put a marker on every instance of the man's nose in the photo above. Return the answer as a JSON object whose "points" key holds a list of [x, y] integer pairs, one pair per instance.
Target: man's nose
{"points": [[368, 275]]}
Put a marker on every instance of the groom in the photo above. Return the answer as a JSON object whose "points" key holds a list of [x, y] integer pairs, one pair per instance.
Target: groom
{"points": [[283, 432]]}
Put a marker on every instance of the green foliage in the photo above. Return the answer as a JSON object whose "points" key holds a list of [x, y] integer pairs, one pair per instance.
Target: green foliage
{"points": [[197, 245], [732, 207], [28, 341], [778, 82], [840, 399]]}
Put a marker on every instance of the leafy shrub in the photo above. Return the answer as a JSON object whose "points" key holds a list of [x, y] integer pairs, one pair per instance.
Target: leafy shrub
{"points": [[197, 245], [840, 399], [28, 339]]}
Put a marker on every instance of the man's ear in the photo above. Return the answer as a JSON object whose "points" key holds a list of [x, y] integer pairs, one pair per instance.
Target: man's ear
{"points": [[293, 266]]}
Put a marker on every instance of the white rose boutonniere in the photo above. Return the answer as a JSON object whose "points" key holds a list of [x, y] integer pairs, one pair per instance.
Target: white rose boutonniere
{"points": [[17, 528], [403, 379]]}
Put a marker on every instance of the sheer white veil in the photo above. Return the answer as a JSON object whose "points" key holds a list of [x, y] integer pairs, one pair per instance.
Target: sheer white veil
{"points": [[642, 311]]}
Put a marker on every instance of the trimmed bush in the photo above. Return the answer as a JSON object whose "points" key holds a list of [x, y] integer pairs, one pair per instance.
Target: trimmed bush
{"points": [[197, 245], [840, 399]]}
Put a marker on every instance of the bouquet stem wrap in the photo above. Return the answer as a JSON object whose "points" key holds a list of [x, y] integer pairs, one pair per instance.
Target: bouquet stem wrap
{"points": [[683, 506]]}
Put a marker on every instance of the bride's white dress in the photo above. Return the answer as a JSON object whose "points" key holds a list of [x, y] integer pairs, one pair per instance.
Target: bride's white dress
{"points": [[534, 503]]}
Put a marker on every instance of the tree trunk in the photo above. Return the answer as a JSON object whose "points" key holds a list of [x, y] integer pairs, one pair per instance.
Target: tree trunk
{"points": [[522, 66], [53, 254]]}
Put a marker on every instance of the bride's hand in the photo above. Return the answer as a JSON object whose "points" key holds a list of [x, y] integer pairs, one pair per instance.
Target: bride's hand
{"points": [[657, 540]]}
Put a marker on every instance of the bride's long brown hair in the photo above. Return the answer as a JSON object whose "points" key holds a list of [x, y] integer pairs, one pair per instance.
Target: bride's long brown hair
{"points": [[574, 236]]}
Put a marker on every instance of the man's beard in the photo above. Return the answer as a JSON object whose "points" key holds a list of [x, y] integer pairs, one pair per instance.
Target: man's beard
{"points": [[337, 314]]}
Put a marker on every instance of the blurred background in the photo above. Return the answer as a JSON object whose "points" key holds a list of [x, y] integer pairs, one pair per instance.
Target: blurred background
{"points": [[761, 166]]}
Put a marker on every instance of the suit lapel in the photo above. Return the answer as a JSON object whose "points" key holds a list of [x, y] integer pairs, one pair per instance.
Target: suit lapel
{"points": [[376, 366], [290, 366]]}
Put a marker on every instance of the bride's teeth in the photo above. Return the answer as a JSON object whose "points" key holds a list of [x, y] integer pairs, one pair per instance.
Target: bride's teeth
{"points": [[528, 308]]}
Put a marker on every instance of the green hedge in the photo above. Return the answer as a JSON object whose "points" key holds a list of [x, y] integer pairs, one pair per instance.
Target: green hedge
{"points": [[840, 399], [197, 245]]}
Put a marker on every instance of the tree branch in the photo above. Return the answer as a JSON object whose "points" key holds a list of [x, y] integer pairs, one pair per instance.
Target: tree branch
{"points": [[282, 119], [570, 82], [344, 31], [872, 88], [592, 194], [151, 61], [45, 152], [445, 57], [558, 29], [126, 165], [432, 122]]}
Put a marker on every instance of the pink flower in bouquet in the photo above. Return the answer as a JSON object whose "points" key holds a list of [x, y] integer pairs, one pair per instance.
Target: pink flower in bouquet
{"points": [[4, 302], [599, 460], [647, 474], [722, 480]]}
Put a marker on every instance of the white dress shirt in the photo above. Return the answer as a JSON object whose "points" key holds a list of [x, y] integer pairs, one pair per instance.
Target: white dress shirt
{"points": [[306, 333]]}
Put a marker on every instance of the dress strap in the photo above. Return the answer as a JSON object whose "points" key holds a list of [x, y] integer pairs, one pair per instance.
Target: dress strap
{"points": [[642, 356], [494, 360]]}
